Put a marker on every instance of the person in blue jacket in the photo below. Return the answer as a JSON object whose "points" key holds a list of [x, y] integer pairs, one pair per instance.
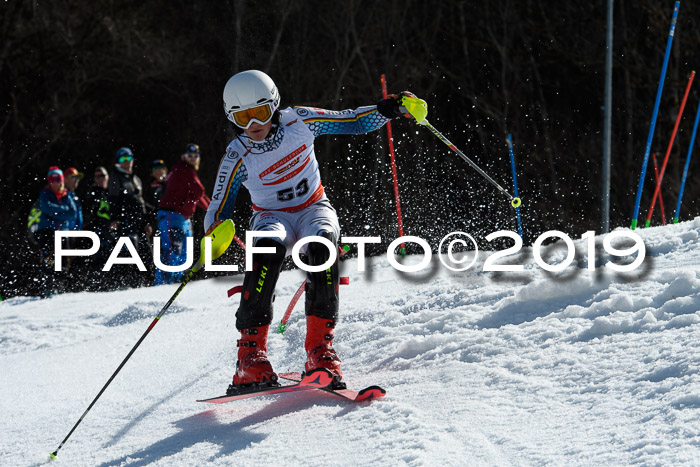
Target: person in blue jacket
{"points": [[58, 212], [71, 178]]}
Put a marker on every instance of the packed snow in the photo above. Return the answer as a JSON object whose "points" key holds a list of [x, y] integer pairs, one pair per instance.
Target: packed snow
{"points": [[576, 367]]}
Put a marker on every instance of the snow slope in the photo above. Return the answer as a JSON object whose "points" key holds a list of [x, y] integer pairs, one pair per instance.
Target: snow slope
{"points": [[579, 367]]}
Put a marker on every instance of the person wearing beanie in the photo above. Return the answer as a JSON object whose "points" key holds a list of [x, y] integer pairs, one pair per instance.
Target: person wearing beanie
{"points": [[125, 190], [71, 179], [58, 212], [57, 208], [128, 211], [184, 192]]}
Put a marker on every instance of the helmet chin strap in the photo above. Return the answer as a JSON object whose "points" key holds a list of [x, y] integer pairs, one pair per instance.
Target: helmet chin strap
{"points": [[251, 142]]}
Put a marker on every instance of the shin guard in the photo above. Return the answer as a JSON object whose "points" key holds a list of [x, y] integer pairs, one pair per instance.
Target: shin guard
{"points": [[259, 287], [322, 287]]}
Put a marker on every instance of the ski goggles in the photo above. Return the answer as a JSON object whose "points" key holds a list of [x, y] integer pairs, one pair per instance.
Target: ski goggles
{"points": [[244, 118], [55, 178], [126, 158]]}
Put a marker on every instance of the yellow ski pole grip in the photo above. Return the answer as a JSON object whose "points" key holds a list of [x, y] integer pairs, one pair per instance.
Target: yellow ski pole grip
{"points": [[221, 237], [416, 107]]}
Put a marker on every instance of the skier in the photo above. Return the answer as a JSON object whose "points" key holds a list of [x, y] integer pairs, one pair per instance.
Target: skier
{"points": [[273, 156]]}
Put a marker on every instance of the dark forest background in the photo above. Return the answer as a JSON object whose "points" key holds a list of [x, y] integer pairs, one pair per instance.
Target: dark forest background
{"points": [[80, 79]]}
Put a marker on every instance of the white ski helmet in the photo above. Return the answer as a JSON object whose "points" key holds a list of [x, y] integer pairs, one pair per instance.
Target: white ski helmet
{"points": [[247, 90]]}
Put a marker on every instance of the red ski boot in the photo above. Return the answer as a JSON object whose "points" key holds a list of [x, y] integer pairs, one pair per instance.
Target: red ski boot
{"points": [[319, 347], [253, 367]]}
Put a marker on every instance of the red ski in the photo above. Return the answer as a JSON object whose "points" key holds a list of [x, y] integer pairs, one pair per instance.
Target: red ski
{"points": [[317, 379], [366, 394]]}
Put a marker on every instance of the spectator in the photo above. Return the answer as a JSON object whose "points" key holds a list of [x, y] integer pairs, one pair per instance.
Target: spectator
{"points": [[58, 212], [128, 211], [98, 219], [75, 282], [97, 212], [33, 223], [183, 193], [72, 177], [125, 192], [158, 173]]}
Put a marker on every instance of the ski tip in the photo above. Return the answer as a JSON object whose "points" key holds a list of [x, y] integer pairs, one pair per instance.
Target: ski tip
{"points": [[370, 393], [53, 455]]}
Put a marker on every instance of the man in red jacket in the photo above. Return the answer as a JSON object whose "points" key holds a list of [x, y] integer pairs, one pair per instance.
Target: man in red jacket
{"points": [[183, 193]]}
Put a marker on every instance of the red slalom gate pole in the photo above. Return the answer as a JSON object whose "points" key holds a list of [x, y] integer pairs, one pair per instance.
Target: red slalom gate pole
{"points": [[393, 172], [668, 150], [292, 303], [238, 240], [661, 198]]}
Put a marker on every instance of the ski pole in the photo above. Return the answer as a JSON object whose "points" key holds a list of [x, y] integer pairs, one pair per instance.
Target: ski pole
{"points": [[222, 236], [687, 165], [509, 140], [419, 109]]}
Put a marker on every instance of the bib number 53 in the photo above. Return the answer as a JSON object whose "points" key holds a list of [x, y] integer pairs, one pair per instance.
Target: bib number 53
{"points": [[289, 193]]}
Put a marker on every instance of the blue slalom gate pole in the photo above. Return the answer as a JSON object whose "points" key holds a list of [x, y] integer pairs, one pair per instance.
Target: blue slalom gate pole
{"points": [[687, 164], [515, 183], [647, 150]]}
